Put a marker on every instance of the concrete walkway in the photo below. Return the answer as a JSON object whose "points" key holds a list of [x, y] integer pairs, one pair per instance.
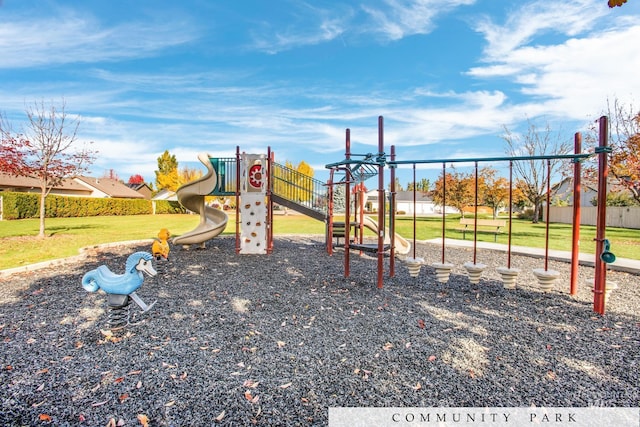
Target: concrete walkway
{"points": [[620, 264]]}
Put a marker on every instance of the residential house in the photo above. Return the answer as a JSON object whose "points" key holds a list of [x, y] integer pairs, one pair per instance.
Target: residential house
{"points": [[588, 190], [165, 194], [20, 184], [404, 203], [424, 204], [108, 187], [78, 187], [143, 189]]}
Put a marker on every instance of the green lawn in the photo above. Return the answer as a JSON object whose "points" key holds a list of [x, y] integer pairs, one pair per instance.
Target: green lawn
{"points": [[66, 236]]}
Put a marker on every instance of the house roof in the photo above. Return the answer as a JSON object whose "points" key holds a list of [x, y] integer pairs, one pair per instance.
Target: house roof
{"points": [[12, 181], [137, 187], [111, 187], [613, 185]]}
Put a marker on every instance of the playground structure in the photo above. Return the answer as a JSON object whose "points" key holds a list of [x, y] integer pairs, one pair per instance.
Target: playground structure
{"points": [[258, 182]]}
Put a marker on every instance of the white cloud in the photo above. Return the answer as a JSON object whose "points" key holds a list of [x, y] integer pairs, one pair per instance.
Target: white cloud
{"points": [[69, 38], [536, 18], [401, 18], [389, 19], [574, 78], [308, 27]]}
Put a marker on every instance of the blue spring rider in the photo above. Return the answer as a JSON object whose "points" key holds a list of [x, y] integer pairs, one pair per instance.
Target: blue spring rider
{"points": [[121, 287]]}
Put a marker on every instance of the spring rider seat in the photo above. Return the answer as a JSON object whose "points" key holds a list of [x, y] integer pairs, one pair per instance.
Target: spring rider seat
{"points": [[120, 288], [160, 247]]}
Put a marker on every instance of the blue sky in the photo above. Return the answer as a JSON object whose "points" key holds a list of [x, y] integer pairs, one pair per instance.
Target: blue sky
{"points": [[196, 76]]}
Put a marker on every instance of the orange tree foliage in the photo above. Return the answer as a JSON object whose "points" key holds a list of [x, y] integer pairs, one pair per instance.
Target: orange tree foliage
{"points": [[494, 189], [614, 3], [459, 191]]}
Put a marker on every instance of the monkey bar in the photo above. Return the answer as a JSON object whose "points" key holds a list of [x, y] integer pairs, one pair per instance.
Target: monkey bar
{"points": [[370, 162]]}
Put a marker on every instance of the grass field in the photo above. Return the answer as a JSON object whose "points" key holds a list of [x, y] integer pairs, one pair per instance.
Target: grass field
{"points": [[19, 246]]}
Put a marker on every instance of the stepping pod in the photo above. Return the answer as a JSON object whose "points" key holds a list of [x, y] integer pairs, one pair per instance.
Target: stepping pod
{"points": [[610, 286], [546, 278], [509, 276], [475, 271], [443, 271], [414, 265]]}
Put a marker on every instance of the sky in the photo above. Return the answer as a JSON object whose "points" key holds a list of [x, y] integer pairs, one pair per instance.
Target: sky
{"points": [[196, 76]]}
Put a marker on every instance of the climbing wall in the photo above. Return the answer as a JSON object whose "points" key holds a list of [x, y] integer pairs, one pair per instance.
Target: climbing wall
{"points": [[253, 209]]}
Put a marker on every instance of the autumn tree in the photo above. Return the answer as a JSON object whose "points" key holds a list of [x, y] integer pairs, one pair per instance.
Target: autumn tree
{"points": [[46, 150], [167, 174], [136, 179], [12, 149], [459, 191], [533, 174], [624, 140], [614, 3], [187, 174], [293, 182], [305, 181], [494, 189]]}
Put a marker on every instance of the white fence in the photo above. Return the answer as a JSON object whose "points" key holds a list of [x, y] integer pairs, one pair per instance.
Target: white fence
{"points": [[627, 217]]}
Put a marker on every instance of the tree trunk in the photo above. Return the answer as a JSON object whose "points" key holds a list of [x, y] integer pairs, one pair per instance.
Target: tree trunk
{"points": [[43, 196], [536, 213]]}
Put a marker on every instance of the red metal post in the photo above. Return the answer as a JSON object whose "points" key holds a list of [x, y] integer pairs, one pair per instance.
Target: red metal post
{"points": [[444, 204], [237, 199], [575, 246], [270, 158], [347, 202], [414, 210], [546, 236], [600, 284], [475, 218], [392, 218], [510, 213], [360, 187], [381, 202]]}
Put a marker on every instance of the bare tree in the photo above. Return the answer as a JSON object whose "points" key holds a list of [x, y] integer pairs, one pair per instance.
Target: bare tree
{"points": [[49, 151], [533, 173]]}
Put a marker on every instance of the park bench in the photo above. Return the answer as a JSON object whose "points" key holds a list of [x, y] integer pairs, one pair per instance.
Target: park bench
{"points": [[338, 232], [492, 226]]}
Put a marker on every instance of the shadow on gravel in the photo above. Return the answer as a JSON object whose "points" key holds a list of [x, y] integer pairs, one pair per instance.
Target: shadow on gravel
{"points": [[278, 339]]}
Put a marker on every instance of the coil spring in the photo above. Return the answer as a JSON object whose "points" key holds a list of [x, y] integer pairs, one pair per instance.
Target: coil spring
{"points": [[119, 316], [161, 268]]}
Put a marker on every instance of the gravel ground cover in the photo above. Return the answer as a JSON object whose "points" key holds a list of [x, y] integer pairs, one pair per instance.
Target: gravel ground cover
{"points": [[278, 339]]}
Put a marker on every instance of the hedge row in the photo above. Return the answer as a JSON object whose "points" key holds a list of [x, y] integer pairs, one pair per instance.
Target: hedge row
{"points": [[27, 205]]}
